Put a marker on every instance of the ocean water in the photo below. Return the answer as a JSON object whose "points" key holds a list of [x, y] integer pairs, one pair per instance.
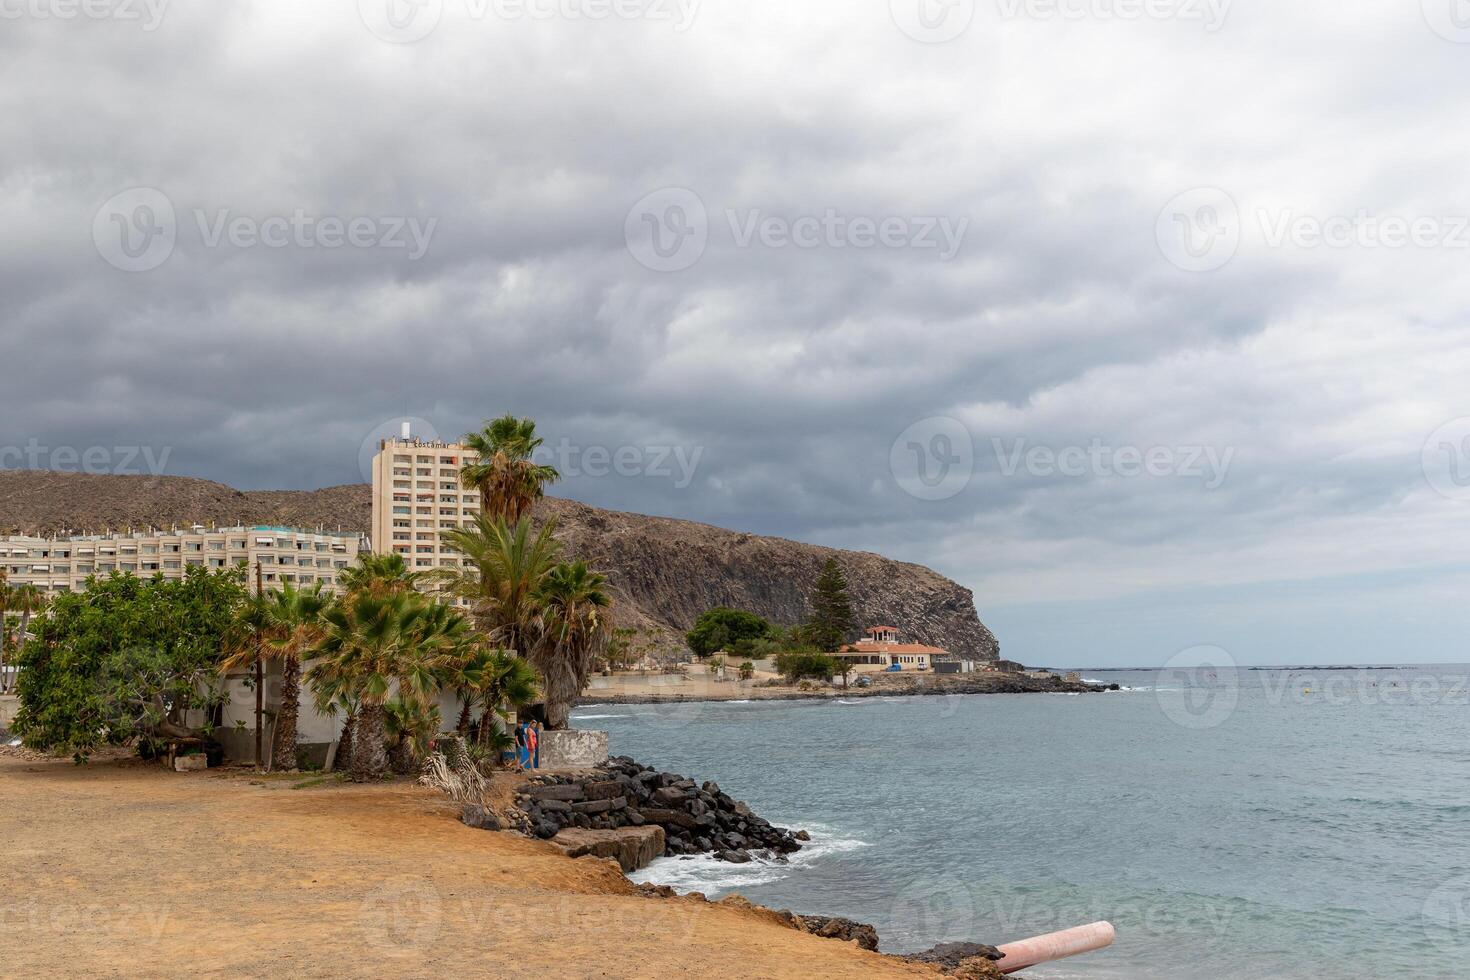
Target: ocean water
{"points": [[1284, 824]]}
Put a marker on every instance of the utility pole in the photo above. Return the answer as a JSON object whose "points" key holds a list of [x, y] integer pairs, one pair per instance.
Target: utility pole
{"points": [[259, 672]]}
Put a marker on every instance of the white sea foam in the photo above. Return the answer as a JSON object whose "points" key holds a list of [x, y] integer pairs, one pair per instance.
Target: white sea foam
{"points": [[596, 717], [703, 873]]}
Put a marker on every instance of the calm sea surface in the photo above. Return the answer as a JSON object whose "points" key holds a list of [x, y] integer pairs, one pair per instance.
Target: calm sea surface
{"points": [[1296, 824]]}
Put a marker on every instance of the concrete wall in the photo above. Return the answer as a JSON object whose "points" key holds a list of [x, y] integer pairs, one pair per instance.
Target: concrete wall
{"points": [[315, 731], [572, 749], [9, 705], [692, 685]]}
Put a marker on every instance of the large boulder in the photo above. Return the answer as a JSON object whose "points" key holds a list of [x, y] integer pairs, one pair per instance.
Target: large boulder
{"points": [[631, 847]]}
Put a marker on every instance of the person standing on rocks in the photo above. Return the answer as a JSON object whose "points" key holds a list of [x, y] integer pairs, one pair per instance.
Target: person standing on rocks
{"points": [[533, 744]]}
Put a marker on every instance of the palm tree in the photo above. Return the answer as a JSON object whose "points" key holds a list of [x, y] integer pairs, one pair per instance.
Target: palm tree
{"points": [[4, 627], [331, 698], [460, 677], [576, 631], [290, 622], [553, 613], [410, 725], [378, 574], [26, 600], [372, 643], [501, 683], [481, 674], [510, 481], [503, 572]]}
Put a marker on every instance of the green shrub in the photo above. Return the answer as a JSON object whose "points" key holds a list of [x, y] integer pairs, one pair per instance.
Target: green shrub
{"points": [[731, 630], [806, 662]]}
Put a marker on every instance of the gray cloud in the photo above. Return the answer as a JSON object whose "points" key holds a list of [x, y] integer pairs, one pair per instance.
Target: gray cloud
{"points": [[791, 371]]}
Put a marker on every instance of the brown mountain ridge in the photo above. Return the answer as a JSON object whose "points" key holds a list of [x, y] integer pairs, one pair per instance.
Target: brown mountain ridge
{"points": [[665, 572]]}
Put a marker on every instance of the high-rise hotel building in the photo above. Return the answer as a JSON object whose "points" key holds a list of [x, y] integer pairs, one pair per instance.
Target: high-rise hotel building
{"points": [[416, 495]]}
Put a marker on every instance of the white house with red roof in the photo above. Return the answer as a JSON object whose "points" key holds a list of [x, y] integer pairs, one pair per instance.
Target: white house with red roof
{"points": [[882, 649]]}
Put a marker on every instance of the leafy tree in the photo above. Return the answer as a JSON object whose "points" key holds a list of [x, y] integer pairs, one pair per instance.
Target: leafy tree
{"points": [[127, 659], [801, 663], [747, 670], [726, 629], [505, 473], [831, 623]]}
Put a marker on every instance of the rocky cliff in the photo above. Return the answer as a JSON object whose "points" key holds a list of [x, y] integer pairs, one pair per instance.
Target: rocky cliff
{"points": [[665, 572]]}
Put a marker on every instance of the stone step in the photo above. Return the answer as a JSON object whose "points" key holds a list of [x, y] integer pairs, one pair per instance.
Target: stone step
{"points": [[631, 847]]}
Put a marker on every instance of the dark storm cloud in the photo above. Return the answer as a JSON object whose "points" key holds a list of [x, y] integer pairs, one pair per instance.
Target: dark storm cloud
{"points": [[783, 374]]}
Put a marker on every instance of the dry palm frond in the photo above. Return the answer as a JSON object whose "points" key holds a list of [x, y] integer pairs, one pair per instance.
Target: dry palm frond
{"points": [[452, 772]]}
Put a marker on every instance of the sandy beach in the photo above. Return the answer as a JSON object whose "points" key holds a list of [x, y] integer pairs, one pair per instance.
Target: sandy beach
{"points": [[121, 868]]}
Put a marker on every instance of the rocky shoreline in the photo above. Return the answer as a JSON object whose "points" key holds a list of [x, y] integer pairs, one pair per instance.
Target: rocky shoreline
{"points": [[633, 814]]}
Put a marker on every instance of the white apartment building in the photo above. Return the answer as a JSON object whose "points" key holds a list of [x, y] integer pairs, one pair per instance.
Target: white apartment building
{"points": [[417, 495], [62, 564]]}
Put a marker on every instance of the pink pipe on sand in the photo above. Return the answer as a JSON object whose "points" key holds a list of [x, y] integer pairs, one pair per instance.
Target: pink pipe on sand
{"points": [[1055, 946]]}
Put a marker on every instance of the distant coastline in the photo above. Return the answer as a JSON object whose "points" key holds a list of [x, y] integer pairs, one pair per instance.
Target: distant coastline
{"points": [[884, 687]]}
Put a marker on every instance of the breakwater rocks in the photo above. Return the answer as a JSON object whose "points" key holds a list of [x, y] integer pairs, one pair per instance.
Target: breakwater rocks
{"points": [[611, 811]]}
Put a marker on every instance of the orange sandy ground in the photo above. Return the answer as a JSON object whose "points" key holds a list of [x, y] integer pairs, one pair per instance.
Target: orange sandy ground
{"points": [[122, 869]]}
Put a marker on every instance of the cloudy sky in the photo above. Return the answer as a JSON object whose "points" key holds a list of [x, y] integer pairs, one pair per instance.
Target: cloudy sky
{"points": [[1145, 320]]}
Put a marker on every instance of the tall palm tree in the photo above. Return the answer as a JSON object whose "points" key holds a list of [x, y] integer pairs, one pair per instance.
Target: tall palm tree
{"points": [[373, 643], [552, 613], [576, 631], [509, 480], [290, 623], [501, 577]]}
